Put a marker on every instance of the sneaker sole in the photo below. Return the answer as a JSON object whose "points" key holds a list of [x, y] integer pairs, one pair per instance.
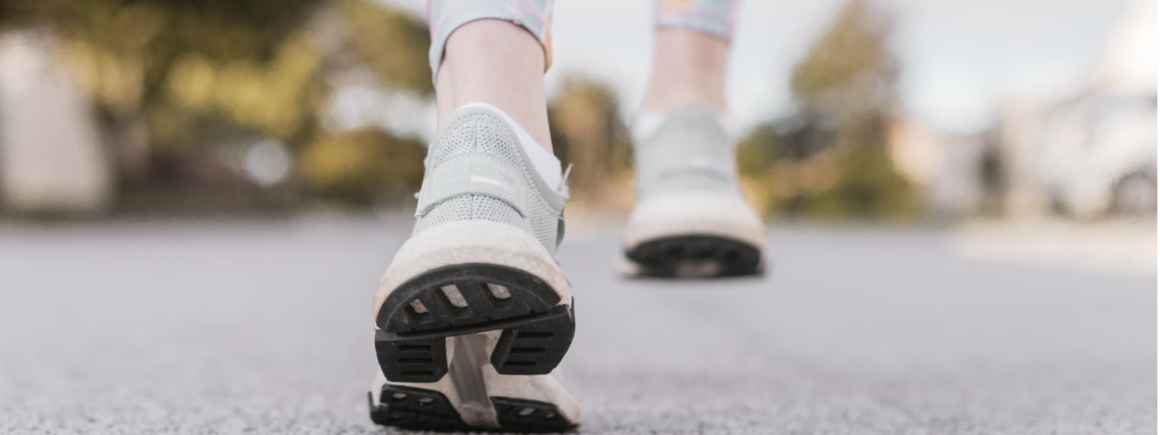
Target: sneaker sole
{"points": [[696, 256], [468, 277], [694, 235], [429, 410]]}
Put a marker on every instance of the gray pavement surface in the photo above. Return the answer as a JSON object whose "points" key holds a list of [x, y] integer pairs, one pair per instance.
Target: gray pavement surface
{"points": [[154, 328]]}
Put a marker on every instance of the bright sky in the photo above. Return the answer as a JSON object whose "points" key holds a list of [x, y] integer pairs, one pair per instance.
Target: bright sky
{"points": [[959, 58]]}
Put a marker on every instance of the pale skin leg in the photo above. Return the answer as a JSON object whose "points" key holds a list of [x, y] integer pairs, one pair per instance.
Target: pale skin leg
{"points": [[688, 67], [498, 63]]}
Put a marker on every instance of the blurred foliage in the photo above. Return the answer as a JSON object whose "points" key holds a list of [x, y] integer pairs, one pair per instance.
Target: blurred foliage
{"points": [[179, 80], [277, 99], [220, 29], [370, 165], [587, 132], [830, 159], [176, 81], [363, 166], [850, 70], [185, 65], [392, 44], [173, 81]]}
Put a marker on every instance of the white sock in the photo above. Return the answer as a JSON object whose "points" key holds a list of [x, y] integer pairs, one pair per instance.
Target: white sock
{"points": [[546, 164]]}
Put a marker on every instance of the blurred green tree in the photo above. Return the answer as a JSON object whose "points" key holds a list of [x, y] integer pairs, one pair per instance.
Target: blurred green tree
{"points": [[186, 72], [135, 53], [831, 157], [174, 80], [390, 43], [850, 71]]}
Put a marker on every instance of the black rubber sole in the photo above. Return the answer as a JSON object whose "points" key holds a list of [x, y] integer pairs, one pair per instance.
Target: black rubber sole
{"points": [[529, 415], [429, 410], [696, 256], [537, 332], [415, 408]]}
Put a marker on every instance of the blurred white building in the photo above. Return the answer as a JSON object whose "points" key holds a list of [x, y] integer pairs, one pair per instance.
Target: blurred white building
{"points": [[51, 156]]}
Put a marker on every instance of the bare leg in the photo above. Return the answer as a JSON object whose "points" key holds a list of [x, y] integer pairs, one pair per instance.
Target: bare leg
{"points": [[688, 67], [499, 63]]}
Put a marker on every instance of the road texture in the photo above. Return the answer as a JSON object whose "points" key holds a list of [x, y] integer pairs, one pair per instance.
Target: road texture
{"points": [[155, 328]]}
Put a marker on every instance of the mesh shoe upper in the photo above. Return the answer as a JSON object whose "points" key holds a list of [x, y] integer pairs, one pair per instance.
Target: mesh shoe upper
{"points": [[477, 169], [689, 151]]}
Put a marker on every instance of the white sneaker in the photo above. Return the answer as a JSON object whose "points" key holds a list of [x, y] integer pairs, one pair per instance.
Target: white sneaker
{"points": [[476, 287], [690, 218]]}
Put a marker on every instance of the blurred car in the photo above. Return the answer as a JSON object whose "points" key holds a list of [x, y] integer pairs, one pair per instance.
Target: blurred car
{"points": [[1101, 156]]}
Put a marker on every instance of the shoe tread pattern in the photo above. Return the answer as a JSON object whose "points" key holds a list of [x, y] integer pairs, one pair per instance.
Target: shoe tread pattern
{"points": [[529, 415], [529, 295], [537, 331], [696, 256], [416, 409]]}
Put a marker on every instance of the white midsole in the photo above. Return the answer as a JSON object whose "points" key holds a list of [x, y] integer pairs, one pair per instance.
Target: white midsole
{"points": [[694, 214], [474, 241]]}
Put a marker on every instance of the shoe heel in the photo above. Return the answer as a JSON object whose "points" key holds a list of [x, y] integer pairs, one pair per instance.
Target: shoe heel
{"points": [[537, 329], [419, 360], [535, 347]]}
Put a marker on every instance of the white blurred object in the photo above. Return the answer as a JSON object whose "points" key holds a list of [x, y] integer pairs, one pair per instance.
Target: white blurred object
{"points": [[1120, 245], [1129, 63], [1100, 156], [51, 157], [1093, 152], [267, 162], [1100, 149]]}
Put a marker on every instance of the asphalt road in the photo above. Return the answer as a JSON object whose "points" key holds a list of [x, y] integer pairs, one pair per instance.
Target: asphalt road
{"points": [[154, 328]]}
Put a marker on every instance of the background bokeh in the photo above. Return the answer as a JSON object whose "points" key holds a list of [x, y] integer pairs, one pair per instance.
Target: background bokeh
{"points": [[199, 197], [902, 111]]}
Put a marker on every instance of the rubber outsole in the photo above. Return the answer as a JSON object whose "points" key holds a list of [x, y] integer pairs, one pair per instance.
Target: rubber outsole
{"points": [[429, 410], [464, 299], [529, 415], [696, 256], [415, 408]]}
